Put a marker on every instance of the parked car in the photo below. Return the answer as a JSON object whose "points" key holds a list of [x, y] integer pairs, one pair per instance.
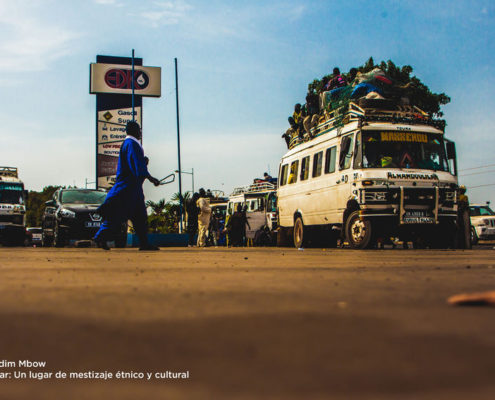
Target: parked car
{"points": [[34, 236], [482, 223], [71, 215]]}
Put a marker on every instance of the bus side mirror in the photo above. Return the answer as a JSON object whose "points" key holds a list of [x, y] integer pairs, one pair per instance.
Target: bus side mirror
{"points": [[26, 195], [450, 150]]}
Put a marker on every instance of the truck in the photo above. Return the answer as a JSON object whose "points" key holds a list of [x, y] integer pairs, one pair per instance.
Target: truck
{"points": [[370, 172], [13, 199]]}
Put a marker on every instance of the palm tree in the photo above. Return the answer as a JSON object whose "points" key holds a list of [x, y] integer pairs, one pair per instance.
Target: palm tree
{"points": [[185, 196], [157, 207]]}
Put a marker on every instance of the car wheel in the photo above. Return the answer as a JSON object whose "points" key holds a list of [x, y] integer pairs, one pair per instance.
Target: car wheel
{"points": [[58, 237], [299, 233], [358, 232], [474, 236], [45, 240]]}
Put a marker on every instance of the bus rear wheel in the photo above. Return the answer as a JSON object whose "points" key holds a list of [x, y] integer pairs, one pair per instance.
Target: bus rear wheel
{"points": [[358, 232], [299, 233]]}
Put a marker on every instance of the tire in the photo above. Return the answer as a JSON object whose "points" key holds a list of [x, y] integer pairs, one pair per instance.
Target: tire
{"points": [[299, 234], [58, 237], [358, 232], [283, 237], [45, 240], [474, 236]]}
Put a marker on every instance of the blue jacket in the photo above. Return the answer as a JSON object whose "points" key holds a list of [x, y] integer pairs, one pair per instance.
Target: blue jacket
{"points": [[131, 173]]}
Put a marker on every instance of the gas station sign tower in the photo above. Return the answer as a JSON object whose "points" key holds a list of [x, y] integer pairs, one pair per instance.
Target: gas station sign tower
{"points": [[111, 79]]}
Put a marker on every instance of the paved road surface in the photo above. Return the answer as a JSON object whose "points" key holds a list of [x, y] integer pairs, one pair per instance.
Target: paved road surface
{"points": [[249, 323]]}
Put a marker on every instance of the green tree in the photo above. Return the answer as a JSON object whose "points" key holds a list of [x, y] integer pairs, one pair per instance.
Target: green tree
{"points": [[36, 205], [164, 216]]}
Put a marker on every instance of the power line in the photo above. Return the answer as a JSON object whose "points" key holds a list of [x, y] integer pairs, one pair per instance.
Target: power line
{"points": [[478, 173], [483, 166], [472, 187]]}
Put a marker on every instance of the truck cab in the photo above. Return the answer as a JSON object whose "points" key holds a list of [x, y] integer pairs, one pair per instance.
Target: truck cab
{"points": [[12, 207]]}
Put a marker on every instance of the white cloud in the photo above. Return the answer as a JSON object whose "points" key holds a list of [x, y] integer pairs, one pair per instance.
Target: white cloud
{"points": [[29, 44], [166, 13], [296, 12], [105, 2]]}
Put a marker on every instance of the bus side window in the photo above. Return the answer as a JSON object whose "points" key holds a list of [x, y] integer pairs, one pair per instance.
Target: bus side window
{"points": [[305, 168], [317, 163], [283, 175], [293, 172], [330, 157]]}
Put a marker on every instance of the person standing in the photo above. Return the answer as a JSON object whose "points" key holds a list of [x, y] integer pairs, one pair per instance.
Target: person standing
{"points": [[203, 203], [237, 227], [463, 220], [125, 200], [192, 212]]}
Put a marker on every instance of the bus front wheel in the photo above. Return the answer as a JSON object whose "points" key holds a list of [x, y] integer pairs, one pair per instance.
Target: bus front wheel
{"points": [[358, 232]]}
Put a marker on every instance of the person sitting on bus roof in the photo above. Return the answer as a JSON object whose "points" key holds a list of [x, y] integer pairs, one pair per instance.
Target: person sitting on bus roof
{"points": [[296, 120], [267, 177], [337, 81]]}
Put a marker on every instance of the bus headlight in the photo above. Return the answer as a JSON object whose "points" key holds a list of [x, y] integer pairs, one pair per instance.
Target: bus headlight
{"points": [[375, 196]]}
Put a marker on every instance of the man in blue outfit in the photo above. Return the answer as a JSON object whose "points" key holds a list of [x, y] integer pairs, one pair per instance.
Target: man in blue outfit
{"points": [[125, 200]]}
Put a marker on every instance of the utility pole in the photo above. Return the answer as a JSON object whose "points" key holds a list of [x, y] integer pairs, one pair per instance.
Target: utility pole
{"points": [[178, 147]]}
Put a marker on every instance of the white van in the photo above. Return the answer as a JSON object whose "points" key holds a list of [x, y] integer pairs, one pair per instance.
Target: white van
{"points": [[260, 201], [369, 174]]}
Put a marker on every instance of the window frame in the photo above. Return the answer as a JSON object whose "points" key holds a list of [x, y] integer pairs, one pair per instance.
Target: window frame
{"points": [[317, 168], [328, 152]]}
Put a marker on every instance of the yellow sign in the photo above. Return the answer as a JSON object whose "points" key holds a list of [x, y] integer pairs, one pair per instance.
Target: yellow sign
{"points": [[404, 137]]}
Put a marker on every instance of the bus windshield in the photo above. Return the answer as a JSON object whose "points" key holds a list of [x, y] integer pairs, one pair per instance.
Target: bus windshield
{"points": [[396, 149], [11, 193]]}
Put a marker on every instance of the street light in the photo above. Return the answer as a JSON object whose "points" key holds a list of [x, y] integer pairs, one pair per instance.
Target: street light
{"points": [[190, 173]]}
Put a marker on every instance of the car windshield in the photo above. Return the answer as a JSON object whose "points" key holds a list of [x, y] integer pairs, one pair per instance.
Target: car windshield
{"points": [[11, 193], [481, 211], [82, 197], [396, 149]]}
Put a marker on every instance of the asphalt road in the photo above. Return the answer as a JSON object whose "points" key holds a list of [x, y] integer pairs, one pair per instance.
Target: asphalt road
{"points": [[247, 323]]}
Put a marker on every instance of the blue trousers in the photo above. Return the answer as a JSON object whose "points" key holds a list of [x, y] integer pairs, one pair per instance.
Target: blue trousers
{"points": [[115, 213]]}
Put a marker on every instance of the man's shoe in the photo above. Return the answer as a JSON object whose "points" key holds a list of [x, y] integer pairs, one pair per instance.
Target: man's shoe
{"points": [[149, 247], [102, 244]]}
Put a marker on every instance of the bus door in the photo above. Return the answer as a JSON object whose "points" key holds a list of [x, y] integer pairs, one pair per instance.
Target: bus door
{"points": [[344, 172]]}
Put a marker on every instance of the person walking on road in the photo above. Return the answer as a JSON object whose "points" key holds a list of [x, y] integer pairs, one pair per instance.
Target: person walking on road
{"points": [[203, 204], [192, 212], [125, 200]]}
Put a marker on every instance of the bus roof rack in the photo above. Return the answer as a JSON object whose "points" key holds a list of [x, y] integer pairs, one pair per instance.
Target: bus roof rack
{"points": [[9, 171], [369, 112], [254, 188]]}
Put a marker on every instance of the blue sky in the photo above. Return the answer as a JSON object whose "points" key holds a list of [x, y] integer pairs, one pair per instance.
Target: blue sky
{"points": [[242, 67]]}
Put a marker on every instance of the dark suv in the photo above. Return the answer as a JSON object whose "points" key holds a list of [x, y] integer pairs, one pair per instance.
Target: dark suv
{"points": [[71, 215]]}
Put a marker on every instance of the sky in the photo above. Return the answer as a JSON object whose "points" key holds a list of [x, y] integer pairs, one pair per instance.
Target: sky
{"points": [[242, 66]]}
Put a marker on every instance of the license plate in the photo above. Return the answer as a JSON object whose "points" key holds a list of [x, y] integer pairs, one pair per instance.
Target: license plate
{"points": [[91, 224], [417, 217], [418, 220]]}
